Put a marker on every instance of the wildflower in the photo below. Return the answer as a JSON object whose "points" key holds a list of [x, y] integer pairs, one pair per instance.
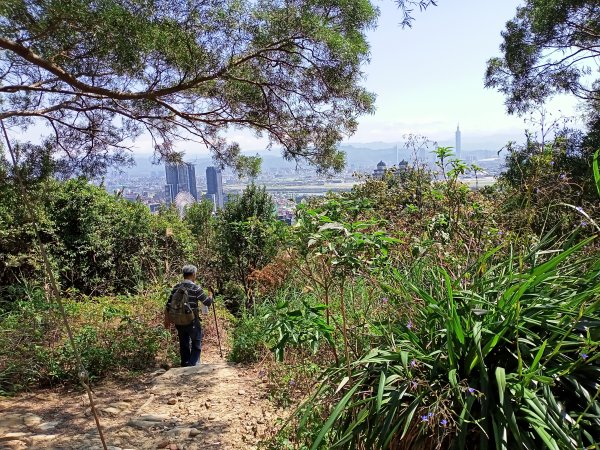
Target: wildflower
{"points": [[384, 300], [261, 373], [583, 223], [471, 390], [413, 363], [500, 233], [579, 209], [409, 325], [425, 418], [562, 176], [584, 356], [413, 384], [292, 383], [444, 422], [551, 163]]}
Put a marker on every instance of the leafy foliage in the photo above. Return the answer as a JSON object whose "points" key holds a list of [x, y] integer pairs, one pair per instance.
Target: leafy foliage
{"points": [[543, 175], [101, 73], [114, 335], [508, 359], [98, 242], [247, 236], [407, 6], [548, 48], [292, 326], [597, 170], [248, 341], [199, 216]]}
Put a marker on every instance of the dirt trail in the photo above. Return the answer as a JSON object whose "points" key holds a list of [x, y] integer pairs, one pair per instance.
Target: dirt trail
{"points": [[212, 406]]}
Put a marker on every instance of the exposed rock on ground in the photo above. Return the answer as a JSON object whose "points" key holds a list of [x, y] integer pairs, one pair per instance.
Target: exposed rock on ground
{"points": [[212, 406]]}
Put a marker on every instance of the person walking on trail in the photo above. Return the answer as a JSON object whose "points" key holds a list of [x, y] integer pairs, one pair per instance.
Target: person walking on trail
{"points": [[182, 309]]}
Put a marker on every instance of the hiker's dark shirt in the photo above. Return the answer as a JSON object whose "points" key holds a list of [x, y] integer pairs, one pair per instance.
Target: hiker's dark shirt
{"points": [[195, 295]]}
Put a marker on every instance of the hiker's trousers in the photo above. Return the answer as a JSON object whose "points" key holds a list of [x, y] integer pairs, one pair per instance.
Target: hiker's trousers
{"points": [[190, 343]]}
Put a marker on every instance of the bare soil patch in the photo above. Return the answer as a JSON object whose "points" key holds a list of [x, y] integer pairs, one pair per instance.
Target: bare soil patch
{"points": [[216, 405]]}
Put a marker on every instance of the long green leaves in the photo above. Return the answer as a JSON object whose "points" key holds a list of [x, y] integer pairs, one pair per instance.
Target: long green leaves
{"points": [[509, 362]]}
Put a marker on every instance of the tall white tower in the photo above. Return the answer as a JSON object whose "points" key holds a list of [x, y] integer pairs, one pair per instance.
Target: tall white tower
{"points": [[457, 145]]}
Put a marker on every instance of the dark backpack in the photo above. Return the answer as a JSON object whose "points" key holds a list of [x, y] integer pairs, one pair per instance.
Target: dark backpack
{"points": [[179, 310]]}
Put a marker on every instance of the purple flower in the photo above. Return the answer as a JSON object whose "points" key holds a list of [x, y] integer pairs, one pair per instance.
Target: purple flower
{"points": [[425, 418], [500, 233], [384, 300], [292, 383], [471, 390], [413, 363], [583, 223], [261, 373], [551, 163], [413, 384], [584, 356], [444, 422], [409, 325], [580, 209], [562, 176]]}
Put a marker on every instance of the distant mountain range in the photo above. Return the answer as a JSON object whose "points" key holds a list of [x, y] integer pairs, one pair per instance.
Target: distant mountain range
{"points": [[357, 156]]}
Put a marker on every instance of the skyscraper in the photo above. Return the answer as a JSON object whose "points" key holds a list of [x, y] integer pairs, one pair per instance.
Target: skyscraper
{"points": [[214, 186], [180, 178], [457, 147]]}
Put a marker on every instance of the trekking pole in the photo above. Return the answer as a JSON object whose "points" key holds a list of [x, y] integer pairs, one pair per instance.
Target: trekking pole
{"points": [[217, 328]]}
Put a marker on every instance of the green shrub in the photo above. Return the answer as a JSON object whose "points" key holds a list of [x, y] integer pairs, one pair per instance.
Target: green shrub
{"points": [[98, 243], [249, 340], [233, 297], [508, 360], [112, 334], [301, 326], [247, 238]]}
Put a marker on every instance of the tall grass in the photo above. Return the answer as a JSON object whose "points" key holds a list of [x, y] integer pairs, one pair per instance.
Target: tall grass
{"points": [[506, 359]]}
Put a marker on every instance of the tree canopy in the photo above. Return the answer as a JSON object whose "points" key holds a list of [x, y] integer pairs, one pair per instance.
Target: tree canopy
{"points": [[100, 73], [549, 47]]}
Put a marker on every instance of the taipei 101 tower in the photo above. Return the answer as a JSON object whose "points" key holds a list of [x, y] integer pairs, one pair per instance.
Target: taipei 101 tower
{"points": [[457, 145]]}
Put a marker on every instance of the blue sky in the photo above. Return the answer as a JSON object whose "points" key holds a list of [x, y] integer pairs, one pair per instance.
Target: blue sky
{"points": [[430, 77], [427, 79]]}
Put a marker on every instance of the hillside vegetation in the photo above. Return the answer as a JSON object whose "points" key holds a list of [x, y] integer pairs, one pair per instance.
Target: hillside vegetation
{"points": [[411, 312]]}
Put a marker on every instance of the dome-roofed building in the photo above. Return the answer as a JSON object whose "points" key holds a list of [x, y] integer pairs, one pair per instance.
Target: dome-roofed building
{"points": [[380, 171]]}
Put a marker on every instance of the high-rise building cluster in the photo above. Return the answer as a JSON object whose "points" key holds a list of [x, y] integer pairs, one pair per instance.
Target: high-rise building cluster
{"points": [[180, 178]]}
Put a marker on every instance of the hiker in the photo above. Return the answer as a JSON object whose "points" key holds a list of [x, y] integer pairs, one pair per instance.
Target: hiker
{"points": [[182, 310]]}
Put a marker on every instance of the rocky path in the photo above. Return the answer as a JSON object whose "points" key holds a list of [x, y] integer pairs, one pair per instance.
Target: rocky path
{"points": [[213, 406]]}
